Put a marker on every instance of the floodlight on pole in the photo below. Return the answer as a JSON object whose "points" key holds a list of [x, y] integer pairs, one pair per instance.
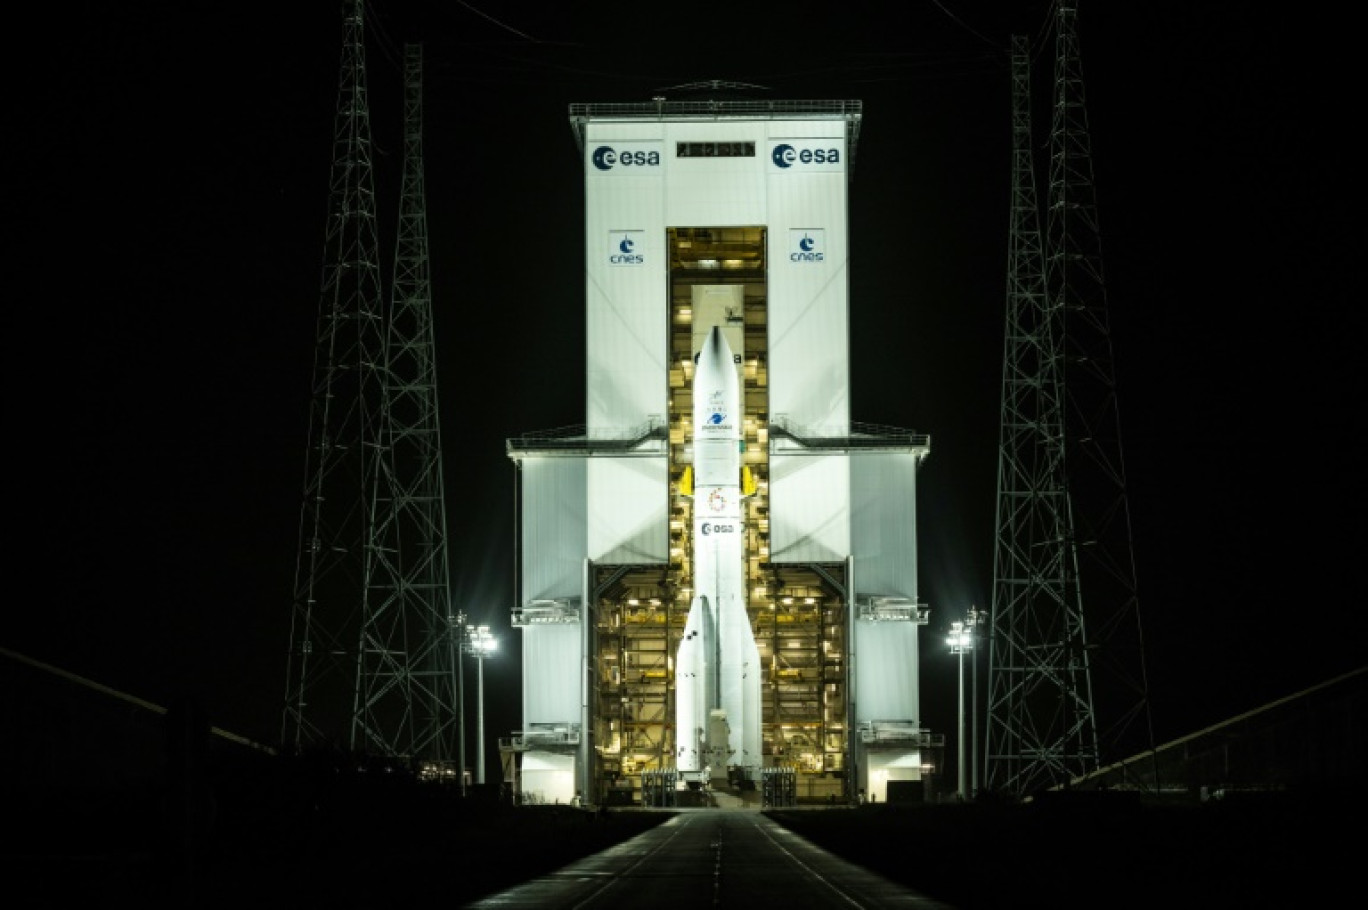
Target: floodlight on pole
{"points": [[481, 643], [976, 618], [960, 640], [456, 632]]}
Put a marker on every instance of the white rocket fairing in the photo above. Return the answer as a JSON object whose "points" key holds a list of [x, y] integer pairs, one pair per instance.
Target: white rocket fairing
{"points": [[718, 664]]}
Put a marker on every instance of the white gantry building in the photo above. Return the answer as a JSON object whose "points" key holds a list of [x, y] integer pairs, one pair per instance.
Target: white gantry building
{"points": [[728, 214]]}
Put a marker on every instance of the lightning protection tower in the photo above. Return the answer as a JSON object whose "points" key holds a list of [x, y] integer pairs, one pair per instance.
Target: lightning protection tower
{"points": [[1037, 704], [408, 681], [1063, 528], [1109, 650], [344, 430]]}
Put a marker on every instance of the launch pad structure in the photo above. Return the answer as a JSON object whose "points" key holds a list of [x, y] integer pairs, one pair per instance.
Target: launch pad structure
{"points": [[727, 215]]}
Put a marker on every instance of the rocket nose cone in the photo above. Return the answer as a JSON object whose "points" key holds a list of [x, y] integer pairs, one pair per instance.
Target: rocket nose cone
{"points": [[709, 344], [715, 349]]}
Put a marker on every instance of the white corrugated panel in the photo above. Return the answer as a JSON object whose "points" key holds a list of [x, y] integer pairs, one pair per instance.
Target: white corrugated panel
{"points": [[548, 778], [809, 508], [886, 671], [552, 676], [629, 520], [809, 361], [883, 499], [626, 266], [626, 381], [715, 192], [554, 510]]}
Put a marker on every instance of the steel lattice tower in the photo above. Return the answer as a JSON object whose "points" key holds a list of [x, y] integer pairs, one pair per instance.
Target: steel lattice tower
{"points": [[1037, 703], [408, 692], [1112, 650], [344, 429], [1064, 548]]}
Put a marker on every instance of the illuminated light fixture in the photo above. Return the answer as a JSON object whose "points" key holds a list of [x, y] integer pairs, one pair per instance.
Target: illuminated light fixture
{"points": [[960, 640], [481, 643]]}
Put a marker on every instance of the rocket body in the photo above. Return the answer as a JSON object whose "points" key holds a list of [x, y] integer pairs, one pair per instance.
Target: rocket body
{"points": [[718, 664], [695, 688]]}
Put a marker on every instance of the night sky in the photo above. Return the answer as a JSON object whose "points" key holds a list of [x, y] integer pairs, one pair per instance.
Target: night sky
{"points": [[166, 236]]}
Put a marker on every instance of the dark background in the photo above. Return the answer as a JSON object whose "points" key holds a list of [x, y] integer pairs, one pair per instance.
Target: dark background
{"points": [[168, 184]]}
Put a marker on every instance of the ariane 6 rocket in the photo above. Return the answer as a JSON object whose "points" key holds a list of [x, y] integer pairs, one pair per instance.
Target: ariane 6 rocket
{"points": [[717, 668]]}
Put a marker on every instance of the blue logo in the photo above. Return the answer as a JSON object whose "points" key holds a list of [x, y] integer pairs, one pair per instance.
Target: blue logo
{"points": [[708, 528], [622, 248], [809, 247], [786, 156], [716, 419], [605, 157]]}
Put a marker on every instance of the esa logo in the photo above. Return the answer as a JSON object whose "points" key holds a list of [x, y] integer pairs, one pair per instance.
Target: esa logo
{"points": [[605, 157], [786, 156], [708, 528], [622, 248], [806, 245]]}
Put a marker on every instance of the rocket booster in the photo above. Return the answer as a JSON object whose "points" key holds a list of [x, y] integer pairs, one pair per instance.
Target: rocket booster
{"points": [[718, 663]]}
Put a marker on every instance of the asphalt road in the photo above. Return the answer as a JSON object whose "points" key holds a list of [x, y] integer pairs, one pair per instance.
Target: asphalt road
{"points": [[712, 858], [318, 836]]}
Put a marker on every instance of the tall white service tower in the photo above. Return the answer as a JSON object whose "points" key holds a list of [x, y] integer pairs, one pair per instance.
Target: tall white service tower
{"points": [[726, 215]]}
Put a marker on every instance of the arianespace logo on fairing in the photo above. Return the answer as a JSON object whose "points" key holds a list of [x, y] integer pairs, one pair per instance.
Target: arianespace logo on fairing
{"points": [[807, 245], [624, 248]]}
